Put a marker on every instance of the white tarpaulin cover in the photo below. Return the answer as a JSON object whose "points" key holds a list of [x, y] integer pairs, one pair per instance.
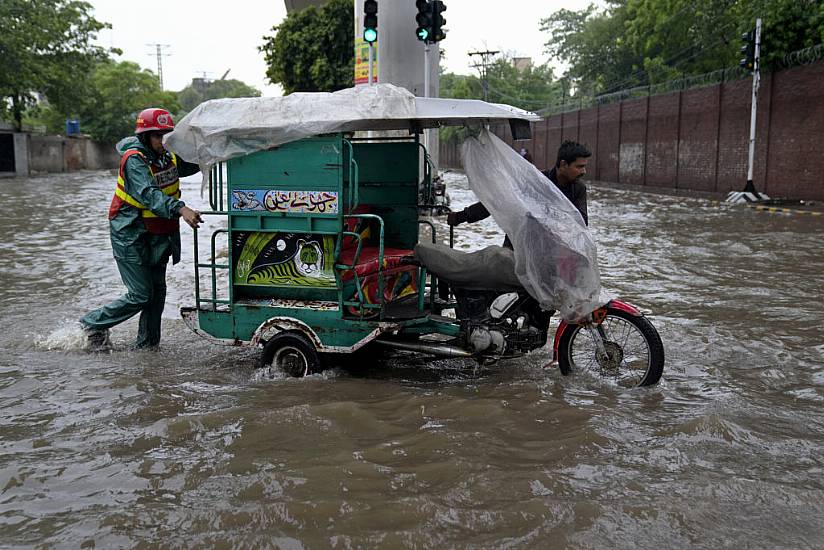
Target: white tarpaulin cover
{"points": [[555, 256], [221, 129]]}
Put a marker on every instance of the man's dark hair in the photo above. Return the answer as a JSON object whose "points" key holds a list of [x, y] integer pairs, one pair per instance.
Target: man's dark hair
{"points": [[571, 150]]}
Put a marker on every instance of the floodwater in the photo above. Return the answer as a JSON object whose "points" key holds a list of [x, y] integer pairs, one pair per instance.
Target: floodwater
{"points": [[192, 447]]}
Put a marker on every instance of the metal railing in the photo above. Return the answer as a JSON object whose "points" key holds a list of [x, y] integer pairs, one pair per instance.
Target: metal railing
{"points": [[340, 268]]}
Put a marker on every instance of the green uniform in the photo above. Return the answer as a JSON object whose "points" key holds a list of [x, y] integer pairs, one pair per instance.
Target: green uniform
{"points": [[141, 256]]}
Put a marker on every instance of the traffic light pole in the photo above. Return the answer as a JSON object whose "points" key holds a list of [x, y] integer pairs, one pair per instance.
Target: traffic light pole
{"points": [[371, 58], [426, 69], [426, 88], [756, 80]]}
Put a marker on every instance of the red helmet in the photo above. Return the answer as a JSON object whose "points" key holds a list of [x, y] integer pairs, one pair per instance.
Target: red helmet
{"points": [[154, 120]]}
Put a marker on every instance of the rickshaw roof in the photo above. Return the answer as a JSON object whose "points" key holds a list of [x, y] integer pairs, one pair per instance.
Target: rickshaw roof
{"points": [[221, 129]]}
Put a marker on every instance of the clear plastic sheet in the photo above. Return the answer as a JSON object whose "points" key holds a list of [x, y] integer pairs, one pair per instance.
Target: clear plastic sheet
{"points": [[555, 256]]}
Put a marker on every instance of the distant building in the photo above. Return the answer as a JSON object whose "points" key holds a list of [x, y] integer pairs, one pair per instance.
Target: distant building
{"points": [[201, 84], [522, 63]]}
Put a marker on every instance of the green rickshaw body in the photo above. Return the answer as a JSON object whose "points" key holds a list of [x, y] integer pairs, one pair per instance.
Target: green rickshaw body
{"points": [[319, 232]]}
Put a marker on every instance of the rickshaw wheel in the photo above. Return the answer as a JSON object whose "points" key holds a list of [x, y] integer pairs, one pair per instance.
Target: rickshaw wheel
{"points": [[292, 353]]}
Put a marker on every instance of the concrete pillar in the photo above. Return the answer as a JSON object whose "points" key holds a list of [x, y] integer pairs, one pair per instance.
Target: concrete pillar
{"points": [[21, 154]]}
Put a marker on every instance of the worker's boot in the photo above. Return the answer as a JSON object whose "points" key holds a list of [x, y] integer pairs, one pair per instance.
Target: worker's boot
{"points": [[97, 339]]}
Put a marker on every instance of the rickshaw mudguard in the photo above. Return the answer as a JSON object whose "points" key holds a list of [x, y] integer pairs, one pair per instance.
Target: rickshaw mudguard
{"points": [[269, 328], [614, 304]]}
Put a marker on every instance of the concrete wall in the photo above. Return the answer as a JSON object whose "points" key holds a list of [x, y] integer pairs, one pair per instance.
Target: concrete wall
{"points": [[697, 139], [47, 154], [36, 153]]}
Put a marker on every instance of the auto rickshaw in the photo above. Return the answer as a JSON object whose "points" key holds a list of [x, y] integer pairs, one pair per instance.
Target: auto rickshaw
{"points": [[320, 235]]}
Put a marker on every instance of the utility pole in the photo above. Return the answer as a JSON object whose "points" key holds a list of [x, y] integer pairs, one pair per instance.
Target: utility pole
{"points": [[160, 55], [756, 81], [482, 68], [752, 62]]}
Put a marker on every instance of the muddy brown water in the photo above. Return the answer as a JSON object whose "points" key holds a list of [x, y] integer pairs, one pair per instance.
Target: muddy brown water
{"points": [[193, 447]]}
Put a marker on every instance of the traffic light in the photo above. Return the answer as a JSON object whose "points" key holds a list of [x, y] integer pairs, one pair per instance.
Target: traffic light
{"points": [[424, 20], [438, 21], [748, 50], [370, 21]]}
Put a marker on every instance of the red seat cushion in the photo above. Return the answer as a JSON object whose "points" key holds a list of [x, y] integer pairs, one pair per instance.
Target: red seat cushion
{"points": [[368, 259]]}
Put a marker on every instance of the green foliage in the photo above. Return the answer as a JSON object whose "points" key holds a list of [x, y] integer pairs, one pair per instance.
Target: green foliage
{"points": [[788, 26], [118, 92], [45, 46], [312, 50], [190, 96], [640, 42], [531, 88]]}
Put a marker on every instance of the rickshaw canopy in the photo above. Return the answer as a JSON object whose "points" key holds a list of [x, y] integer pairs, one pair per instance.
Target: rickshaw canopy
{"points": [[222, 129]]}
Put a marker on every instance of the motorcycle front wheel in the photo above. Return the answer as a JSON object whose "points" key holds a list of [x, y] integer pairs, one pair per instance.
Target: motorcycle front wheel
{"points": [[633, 352]]}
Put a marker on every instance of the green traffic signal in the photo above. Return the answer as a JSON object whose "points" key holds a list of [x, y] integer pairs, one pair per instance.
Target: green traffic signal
{"points": [[370, 21], [423, 34]]}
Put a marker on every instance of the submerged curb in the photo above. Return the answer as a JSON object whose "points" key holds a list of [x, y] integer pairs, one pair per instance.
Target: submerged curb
{"points": [[779, 210]]}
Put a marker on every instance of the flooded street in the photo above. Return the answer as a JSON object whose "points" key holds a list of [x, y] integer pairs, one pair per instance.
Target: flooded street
{"points": [[192, 447]]}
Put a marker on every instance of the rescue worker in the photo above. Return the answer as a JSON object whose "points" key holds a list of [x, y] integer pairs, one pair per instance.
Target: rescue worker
{"points": [[144, 227], [570, 168]]}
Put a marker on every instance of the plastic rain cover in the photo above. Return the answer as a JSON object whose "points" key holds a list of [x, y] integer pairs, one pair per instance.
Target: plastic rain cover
{"points": [[555, 256], [221, 129]]}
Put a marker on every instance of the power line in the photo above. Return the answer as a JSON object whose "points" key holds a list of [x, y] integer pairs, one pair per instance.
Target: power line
{"points": [[620, 84]]}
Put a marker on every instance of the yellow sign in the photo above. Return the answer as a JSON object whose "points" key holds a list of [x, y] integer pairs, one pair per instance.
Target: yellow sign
{"points": [[362, 62]]}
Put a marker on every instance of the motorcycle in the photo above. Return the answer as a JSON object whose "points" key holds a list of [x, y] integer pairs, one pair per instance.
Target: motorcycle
{"points": [[616, 341]]}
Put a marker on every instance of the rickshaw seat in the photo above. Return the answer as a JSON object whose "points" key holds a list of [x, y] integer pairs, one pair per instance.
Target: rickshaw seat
{"points": [[368, 260]]}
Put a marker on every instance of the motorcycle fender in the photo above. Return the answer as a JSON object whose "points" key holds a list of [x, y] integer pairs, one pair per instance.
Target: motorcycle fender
{"points": [[558, 333], [625, 307], [614, 304]]}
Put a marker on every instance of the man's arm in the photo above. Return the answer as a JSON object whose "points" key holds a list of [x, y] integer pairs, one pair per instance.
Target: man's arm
{"points": [[581, 202], [140, 185], [185, 168], [471, 214]]}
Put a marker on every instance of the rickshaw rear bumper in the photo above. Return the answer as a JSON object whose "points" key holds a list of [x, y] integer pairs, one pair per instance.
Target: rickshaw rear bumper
{"points": [[190, 316]]}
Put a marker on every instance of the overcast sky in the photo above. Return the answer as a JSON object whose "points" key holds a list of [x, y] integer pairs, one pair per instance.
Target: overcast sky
{"points": [[212, 36]]}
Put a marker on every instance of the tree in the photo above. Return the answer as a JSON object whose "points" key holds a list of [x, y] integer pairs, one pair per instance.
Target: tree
{"points": [[640, 42], [593, 45], [119, 91], [788, 26], [312, 50], [45, 46], [530, 88], [190, 96]]}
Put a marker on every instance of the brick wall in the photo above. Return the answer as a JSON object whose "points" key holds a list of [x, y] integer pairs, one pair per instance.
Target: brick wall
{"points": [[697, 139]]}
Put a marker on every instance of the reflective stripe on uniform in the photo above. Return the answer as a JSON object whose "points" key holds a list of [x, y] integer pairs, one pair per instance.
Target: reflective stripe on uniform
{"points": [[172, 189]]}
